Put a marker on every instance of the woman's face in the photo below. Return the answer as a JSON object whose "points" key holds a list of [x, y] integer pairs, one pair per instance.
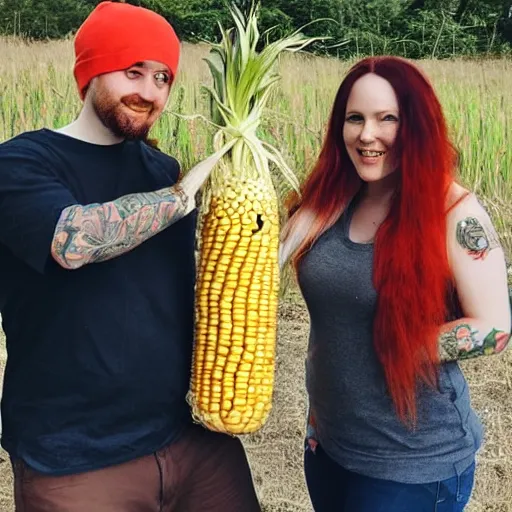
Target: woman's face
{"points": [[371, 126]]}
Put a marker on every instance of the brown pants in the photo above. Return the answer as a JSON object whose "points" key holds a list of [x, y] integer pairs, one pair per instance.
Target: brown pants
{"points": [[204, 471]]}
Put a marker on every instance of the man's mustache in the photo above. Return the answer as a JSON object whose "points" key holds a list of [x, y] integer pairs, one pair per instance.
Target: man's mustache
{"points": [[134, 100]]}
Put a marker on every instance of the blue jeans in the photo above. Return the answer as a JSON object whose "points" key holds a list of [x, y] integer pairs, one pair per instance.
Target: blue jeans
{"points": [[334, 489]]}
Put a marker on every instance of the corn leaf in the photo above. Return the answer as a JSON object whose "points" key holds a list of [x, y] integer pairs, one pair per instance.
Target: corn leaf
{"points": [[243, 80]]}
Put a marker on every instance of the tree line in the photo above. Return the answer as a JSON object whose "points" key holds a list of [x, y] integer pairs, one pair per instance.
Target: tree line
{"points": [[410, 28]]}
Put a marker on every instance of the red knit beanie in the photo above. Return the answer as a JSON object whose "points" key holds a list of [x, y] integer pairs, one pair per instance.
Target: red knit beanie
{"points": [[117, 35]]}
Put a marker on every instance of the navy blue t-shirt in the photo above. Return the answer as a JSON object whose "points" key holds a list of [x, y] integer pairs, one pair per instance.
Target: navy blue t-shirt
{"points": [[98, 358]]}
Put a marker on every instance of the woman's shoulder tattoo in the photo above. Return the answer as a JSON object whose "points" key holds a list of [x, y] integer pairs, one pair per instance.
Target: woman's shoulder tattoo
{"points": [[477, 238]]}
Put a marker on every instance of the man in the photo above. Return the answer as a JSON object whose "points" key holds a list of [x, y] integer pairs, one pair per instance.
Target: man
{"points": [[97, 272]]}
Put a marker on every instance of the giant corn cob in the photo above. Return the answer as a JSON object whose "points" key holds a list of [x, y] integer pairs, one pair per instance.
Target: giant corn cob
{"points": [[238, 280]]}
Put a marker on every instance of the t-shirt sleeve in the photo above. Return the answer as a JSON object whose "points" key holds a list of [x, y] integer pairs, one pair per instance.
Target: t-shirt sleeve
{"points": [[31, 201]]}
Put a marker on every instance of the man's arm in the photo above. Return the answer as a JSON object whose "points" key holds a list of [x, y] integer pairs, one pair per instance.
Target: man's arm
{"points": [[99, 232], [478, 265]]}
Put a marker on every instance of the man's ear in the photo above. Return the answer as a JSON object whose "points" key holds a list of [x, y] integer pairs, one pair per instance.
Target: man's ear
{"points": [[86, 91]]}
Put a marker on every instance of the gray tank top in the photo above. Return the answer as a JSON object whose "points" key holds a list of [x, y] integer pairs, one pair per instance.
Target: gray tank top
{"points": [[356, 422]]}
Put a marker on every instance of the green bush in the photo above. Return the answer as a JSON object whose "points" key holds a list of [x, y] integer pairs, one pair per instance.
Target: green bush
{"points": [[410, 28]]}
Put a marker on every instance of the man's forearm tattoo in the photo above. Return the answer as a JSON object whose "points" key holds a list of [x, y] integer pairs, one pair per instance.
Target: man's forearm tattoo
{"points": [[464, 342], [476, 239], [99, 232]]}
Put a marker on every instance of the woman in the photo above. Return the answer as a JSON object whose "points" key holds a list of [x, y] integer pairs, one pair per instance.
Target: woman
{"points": [[403, 275]]}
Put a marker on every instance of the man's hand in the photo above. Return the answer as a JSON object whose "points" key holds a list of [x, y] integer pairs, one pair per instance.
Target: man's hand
{"points": [[194, 180]]}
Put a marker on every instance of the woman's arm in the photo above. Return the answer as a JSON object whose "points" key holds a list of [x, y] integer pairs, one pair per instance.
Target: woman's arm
{"points": [[478, 264], [293, 233]]}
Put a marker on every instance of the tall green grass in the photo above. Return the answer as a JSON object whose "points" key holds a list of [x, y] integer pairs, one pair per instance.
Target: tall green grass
{"points": [[37, 90]]}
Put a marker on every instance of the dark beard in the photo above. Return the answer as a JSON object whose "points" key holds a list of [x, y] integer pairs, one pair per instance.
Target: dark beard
{"points": [[118, 122]]}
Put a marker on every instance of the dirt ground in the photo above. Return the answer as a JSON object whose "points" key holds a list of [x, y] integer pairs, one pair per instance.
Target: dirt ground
{"points": [[275, 453]]}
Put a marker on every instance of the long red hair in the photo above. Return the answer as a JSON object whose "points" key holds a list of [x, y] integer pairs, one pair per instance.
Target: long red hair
{"points": [[411, 269]]}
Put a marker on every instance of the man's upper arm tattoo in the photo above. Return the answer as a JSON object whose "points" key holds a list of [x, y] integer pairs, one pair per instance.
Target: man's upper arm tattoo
{"points": [[99, 232], [478, 240]]}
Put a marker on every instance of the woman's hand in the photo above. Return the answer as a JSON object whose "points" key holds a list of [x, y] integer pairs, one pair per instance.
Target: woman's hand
{"points": [[311, 433]]}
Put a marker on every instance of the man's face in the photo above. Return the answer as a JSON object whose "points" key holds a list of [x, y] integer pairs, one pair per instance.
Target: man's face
{"points": [[129, 102]]}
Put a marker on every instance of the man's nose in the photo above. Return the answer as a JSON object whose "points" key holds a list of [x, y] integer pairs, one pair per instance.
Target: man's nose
{"points": [[148, 90]]}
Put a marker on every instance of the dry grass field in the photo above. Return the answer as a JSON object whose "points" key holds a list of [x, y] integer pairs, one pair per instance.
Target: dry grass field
{"points": [[36, 90]]}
